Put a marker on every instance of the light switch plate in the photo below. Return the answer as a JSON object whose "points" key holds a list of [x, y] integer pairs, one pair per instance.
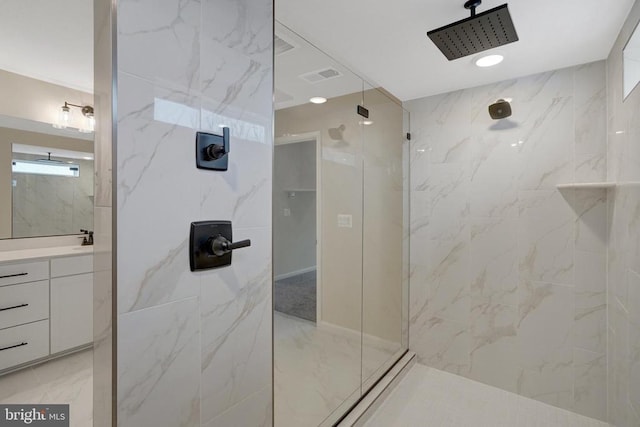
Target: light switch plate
{"points": [[345, 221]]}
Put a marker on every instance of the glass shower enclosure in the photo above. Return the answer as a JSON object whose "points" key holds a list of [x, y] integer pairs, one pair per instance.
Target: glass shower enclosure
{"points": [[340, 234]]}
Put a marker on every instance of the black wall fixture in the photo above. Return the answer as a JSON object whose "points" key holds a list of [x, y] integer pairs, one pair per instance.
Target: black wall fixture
{"points": [[212, 151], [211, 245], [475, 34]]}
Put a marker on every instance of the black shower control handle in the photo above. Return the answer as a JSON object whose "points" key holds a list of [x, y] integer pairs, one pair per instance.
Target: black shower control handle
{"points": [[217, 151], [220, 245]]}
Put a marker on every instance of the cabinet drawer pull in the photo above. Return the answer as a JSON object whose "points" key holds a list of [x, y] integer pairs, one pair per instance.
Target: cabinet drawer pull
{"points": [[13, 275], [14, 307], [13, 346]]}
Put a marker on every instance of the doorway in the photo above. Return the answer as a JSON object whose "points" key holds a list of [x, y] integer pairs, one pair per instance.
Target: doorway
{"points": [[296, 207]]}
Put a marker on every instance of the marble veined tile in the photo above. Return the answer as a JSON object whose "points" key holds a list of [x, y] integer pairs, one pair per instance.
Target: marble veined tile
{"points": [[236, 324], [315, 370], [159, 365], [160, 40], [255, 411], [495, 169], [494, 261], [242, 25], [155, 148], [590, 384]]}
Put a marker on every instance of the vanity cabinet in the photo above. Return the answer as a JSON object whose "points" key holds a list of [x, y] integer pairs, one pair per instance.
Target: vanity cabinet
{"points": [[71, 302], [46, 308]]}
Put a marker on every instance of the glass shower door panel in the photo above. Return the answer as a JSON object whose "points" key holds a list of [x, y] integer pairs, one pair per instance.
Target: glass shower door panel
{"points": [[317, 358], [383, 231]]}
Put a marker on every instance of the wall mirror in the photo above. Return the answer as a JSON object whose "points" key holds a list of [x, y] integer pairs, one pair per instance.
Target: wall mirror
{"points": [[46, 119], [631, 61]]}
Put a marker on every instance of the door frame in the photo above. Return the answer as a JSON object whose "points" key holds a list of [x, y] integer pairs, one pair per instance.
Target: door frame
{"points": [[317, 138]]}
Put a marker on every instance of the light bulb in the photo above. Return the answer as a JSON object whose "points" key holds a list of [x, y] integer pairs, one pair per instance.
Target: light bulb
{"points": [[64, 115], [90, 125]]}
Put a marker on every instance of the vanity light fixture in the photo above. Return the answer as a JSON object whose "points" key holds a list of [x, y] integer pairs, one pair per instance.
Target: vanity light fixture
{"points": [[318, 100], [489, 60], [64, 117]]}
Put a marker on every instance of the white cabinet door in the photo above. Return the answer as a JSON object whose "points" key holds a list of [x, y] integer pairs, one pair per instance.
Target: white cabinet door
{"points": [[71, 312]]}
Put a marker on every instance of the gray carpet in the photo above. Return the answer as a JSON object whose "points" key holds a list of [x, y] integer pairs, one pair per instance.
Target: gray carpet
{"points": [[296, 296]]}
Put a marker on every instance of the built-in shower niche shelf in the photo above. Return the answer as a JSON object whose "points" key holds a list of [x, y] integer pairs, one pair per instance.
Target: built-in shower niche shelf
{"points": [[587, 185]]}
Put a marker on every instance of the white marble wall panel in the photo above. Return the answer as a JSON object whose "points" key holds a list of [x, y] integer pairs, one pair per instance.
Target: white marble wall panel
{"points": [[236, 326], [183, 67], [623, 220], [508, 273], [158, 357]]}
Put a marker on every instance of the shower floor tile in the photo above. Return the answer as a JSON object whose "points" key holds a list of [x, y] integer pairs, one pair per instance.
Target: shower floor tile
{"points": [[317, 368], [427, 397]]}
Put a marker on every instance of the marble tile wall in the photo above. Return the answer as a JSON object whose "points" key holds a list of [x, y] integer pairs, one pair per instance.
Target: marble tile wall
{"points": [[623, 335], [508, 274], [193, 349]]}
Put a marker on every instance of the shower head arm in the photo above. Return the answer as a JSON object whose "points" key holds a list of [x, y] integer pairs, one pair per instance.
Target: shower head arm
{"points": [[472, 4]]}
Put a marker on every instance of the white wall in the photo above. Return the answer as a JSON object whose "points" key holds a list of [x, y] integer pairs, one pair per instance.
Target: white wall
{"points": [[508, 273]]}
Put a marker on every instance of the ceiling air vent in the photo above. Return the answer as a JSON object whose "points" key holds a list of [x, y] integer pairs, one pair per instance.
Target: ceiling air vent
{"points": [[281, 46], [321, 75]]}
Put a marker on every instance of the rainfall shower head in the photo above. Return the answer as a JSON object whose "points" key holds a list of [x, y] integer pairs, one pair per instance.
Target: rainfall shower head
{"points": [[478, 33]]}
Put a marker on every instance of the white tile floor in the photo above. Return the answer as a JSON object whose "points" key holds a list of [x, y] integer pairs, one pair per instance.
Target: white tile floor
{"points": [[65, 380], [317, 369], [427, 397]]}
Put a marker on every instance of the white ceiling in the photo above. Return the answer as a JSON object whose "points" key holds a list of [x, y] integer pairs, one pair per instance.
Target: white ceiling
{"points": [[50, 40], [386, 40], [291, 89]]}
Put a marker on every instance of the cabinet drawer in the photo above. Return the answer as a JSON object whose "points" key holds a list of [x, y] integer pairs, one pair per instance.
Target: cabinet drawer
{"points": [[24, 303], [24, 343], [11, 274], [71, 265]]}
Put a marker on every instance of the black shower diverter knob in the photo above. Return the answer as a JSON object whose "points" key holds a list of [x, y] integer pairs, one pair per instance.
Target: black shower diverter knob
{"points": [[220, 245]]}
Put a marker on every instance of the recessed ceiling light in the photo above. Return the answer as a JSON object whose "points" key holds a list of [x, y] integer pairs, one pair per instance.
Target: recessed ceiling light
{"points": [[620, 132], [366, 122], [88, 158], [223, 126], [489, 60], [318, 100]]}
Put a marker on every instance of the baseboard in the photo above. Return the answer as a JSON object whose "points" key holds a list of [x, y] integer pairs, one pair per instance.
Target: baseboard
{"points": [[363, 411], [295, 273]]}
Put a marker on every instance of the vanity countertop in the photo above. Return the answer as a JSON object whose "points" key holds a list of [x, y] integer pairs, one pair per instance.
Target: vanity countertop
{"points": [[38, 253]]}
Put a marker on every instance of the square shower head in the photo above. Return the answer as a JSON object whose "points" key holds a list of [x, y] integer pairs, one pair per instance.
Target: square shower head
{"points": [[484, 31]]}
